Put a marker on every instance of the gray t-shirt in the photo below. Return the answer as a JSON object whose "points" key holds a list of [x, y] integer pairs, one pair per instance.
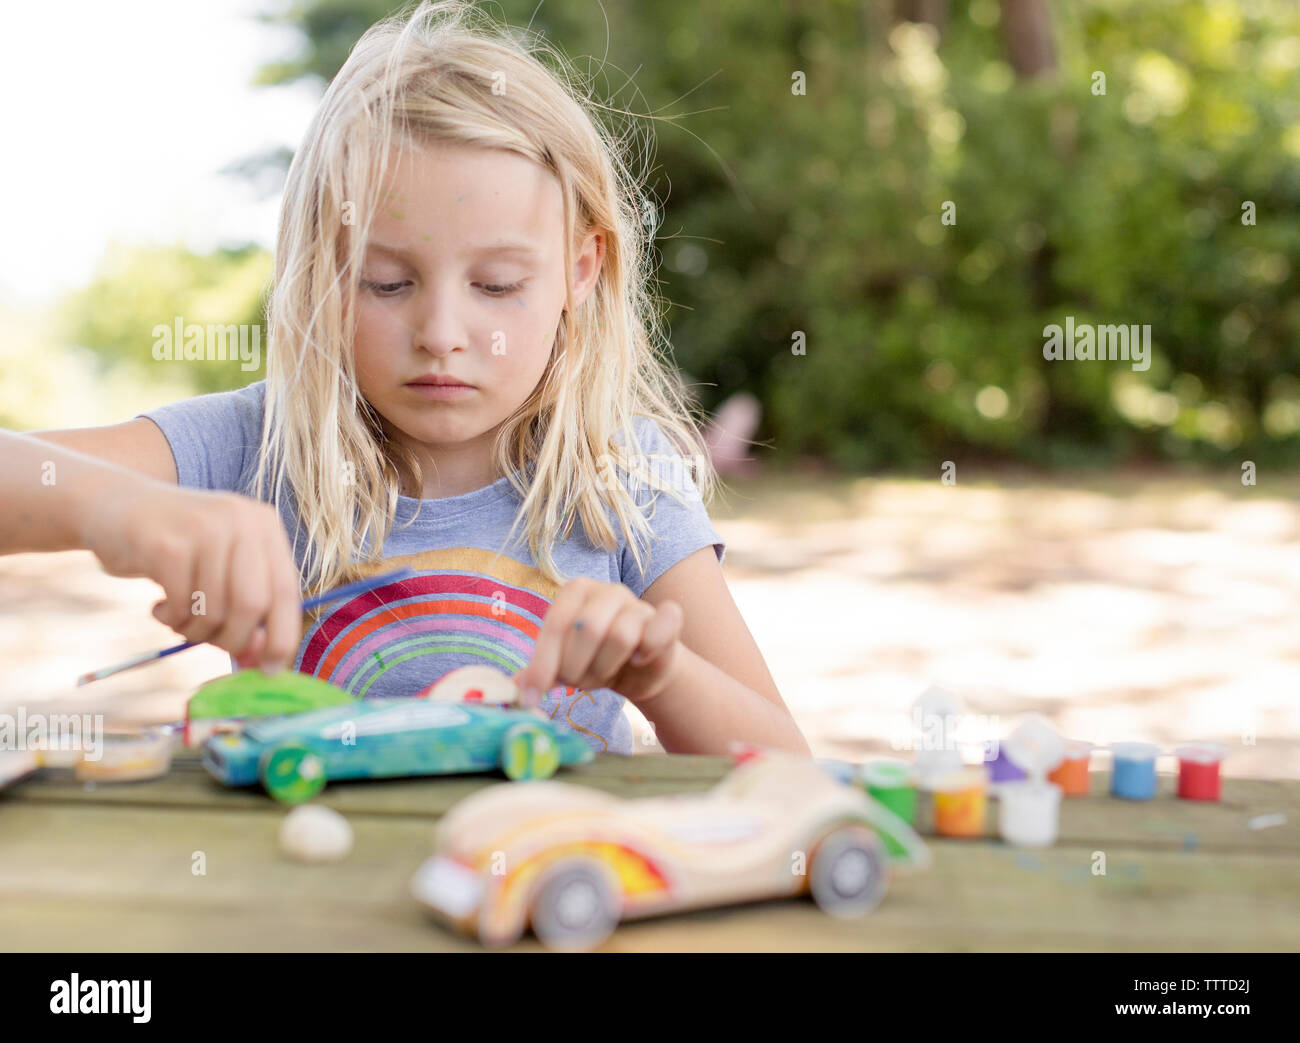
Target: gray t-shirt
{"points": [[458, 608]]}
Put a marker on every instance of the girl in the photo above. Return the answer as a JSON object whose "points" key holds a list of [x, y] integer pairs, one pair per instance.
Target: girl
{"points": [[463, 378]]}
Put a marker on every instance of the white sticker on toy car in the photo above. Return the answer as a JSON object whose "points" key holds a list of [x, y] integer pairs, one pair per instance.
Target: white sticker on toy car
{"points": [[448, 885], [400, 719], [714, 831]]}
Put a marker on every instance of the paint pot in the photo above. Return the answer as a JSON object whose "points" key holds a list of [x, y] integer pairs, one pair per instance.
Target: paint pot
{"points": [[129, 757], [1072, 773], [1133, 774], [936, 764], [1003, 769], [935, 715], [1198, 770], [890, 783], [961, 803], [841, 771], [1034, 746], [924, 823], [1029, 813]]}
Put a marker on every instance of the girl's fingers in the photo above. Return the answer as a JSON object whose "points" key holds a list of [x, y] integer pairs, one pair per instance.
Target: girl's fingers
{"points": [[587, 636], [538, 676], [622, 637], [591, 632], [543, 669], [206, 603], [663, 630], [249, 598], [174, 571], [253, 652], [284, 624]]}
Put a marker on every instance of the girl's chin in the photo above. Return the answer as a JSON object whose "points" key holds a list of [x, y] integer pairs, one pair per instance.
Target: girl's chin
{"points": [[441, 431]]}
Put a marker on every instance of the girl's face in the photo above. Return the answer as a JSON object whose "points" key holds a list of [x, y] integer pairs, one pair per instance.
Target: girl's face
{"points": [[463, 278]]}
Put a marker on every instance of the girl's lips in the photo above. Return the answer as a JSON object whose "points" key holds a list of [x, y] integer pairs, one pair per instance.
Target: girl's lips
{"points": [[441, 392]]}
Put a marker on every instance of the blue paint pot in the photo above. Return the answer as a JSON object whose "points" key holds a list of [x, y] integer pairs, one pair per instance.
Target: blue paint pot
{"points": [[1133, 774]]}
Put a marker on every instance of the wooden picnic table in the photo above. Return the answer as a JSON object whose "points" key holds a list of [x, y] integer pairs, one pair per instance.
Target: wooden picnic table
{"points": [[109, 868]]}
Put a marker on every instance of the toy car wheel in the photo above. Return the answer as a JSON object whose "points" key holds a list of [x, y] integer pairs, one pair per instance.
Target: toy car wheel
{"points": [[529, 752], [576, 907], [849, 874], [292, 774]]}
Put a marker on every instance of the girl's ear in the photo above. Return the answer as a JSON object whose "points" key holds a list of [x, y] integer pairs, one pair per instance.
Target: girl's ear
{"points": [[586, 267]]}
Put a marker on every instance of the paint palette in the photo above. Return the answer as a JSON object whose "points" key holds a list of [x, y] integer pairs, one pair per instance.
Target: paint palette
{"points": [[129, 757], [15, 764]]}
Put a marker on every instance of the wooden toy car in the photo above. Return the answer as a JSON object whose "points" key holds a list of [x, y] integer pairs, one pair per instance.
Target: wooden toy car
{"points": [[229, 702], [293, 757], [571, 862], [474, 684]]}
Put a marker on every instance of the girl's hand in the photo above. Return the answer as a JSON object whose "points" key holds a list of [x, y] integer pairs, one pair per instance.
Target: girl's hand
{"points": [[601, 635], [223, 561]]}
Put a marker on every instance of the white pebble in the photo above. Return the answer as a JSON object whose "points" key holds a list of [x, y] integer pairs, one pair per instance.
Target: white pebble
{"points": [[315, 833]]}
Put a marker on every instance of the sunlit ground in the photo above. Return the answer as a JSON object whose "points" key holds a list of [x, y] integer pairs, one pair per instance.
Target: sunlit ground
{"points": [[1145, 607]]}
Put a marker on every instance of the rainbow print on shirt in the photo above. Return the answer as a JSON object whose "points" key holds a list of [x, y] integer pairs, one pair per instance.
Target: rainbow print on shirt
{"points": [[461, 602]]}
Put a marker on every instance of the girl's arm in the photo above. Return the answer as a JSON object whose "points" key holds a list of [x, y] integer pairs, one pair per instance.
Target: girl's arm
{"points": [[123, 504], [52, 481], [681, 653], [721, 689]]}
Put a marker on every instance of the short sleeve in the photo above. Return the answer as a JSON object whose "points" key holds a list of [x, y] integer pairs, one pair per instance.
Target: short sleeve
{"points": [[672, 505], [215, 437]]}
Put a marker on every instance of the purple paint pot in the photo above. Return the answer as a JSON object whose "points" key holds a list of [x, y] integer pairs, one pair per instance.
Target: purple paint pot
{"points": [[1003, 769]]}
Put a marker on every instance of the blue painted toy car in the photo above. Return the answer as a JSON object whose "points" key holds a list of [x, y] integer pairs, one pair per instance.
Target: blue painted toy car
{"points": [[293, 757]]}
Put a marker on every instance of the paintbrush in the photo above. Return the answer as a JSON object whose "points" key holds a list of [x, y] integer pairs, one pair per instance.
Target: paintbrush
{"points": [[359, 587]]}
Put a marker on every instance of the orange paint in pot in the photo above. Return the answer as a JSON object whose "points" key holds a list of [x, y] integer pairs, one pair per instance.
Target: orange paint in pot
{"points": [[1072, 773], [961, 803]]}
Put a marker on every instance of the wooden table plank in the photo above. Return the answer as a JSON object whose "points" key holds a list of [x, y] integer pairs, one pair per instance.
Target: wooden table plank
{"points": [[109, 869], [189, 785], [111, 878], [1165, 823]]}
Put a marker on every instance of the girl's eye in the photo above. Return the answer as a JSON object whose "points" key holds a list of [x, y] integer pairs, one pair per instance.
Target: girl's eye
{"points": [[384, 289], [501, 290]]}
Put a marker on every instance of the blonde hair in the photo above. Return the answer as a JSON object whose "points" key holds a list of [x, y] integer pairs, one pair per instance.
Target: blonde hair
{"points": [[428, 77]]}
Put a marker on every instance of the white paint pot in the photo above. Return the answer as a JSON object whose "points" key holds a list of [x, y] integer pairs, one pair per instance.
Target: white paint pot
{"points": [[1029, 813]]}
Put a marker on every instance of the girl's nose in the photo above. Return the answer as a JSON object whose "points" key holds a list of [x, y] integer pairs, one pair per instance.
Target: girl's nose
{"points": [[440, 330]]}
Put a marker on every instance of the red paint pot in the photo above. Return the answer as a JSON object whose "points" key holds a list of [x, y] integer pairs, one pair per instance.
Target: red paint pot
{"points": [[1199, 770]]}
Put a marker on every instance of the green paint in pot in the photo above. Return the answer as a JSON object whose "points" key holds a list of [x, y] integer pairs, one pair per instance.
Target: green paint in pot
{"points": [[890, 782]]}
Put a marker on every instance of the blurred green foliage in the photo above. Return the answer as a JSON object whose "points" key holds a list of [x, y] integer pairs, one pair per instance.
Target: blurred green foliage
{"points": [[140, 288], [820, 213]]}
